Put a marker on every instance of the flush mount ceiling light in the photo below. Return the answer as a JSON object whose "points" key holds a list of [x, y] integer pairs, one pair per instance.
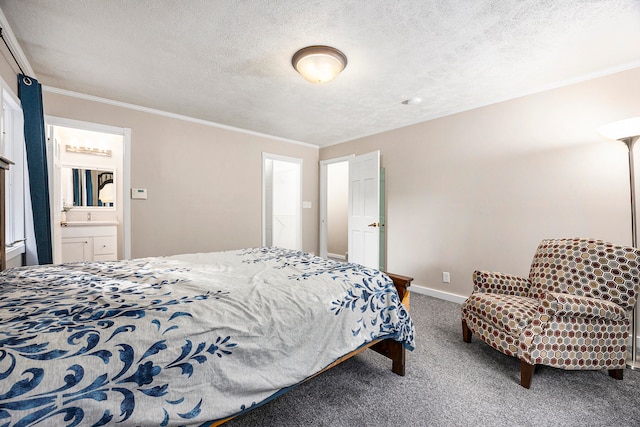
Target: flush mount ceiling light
{"points": [[319, 64]]}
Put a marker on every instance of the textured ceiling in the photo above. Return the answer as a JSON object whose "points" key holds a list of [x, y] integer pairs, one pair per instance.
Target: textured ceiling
{"points": [[229, 62]]}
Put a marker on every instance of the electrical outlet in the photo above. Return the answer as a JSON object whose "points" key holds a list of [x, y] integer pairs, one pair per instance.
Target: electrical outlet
{"points": [[446, 277]]}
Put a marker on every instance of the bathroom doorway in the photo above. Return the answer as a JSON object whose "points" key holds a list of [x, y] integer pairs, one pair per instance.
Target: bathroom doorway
{"points": [[94, 159]]}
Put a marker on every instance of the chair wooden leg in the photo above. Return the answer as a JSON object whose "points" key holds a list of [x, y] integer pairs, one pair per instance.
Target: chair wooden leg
{"points": [[526, 373], [466, 332], [616, 373]]}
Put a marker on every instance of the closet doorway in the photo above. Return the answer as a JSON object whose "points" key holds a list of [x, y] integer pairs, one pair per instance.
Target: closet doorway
{"points": [[281, 201], [89, 181], [352, 189], [334, 208]]}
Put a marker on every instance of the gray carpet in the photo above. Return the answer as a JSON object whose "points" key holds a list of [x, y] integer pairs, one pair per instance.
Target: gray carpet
{"points": [[450, 383]]}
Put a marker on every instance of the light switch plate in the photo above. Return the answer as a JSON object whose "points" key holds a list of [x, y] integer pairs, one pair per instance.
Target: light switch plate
{"points": [[139, 193], [306, 205]]}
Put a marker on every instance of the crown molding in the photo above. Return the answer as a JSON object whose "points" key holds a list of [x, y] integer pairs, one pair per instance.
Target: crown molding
{"points": [[171, 115]]}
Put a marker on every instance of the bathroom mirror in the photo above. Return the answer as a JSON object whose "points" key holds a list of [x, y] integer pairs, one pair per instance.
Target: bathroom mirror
{"points": [[93, 188]]}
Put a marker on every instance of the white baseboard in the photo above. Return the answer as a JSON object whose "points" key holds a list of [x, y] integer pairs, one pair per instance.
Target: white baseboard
{"points": [[337, 256], [459, 299]]}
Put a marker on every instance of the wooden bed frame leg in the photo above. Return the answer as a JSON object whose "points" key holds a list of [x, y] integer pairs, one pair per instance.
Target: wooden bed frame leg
{"points": [[389, 348], [616, 373], [466, 332], [395, 351], [526, 373]]}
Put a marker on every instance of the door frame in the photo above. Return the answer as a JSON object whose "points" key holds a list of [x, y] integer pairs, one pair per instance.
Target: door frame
{"points": [[324, 192], [126, 173]]}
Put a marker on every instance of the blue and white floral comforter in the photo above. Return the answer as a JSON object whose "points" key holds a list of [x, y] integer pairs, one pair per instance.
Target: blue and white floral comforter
{"points": [[180, 340]]}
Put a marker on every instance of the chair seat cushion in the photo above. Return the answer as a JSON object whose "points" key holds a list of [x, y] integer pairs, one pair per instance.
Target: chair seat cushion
{"points": [[510, 313]]}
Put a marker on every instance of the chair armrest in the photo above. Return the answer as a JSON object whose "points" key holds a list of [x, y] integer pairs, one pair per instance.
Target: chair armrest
{"points": [[500, 283], [555, 304]]}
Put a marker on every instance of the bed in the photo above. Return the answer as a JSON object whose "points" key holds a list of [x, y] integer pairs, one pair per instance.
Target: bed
{"points": [[185, 340]]}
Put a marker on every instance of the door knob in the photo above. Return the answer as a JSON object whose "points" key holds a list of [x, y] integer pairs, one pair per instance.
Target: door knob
{"points": [[374, 224]]}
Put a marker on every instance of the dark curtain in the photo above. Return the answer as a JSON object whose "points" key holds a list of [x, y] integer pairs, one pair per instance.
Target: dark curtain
{"points": [[89, 187], [30, 93], [77, 200]]}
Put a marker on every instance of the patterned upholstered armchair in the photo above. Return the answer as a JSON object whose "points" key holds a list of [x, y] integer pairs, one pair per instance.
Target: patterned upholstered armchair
{"points": [[573, 312]]}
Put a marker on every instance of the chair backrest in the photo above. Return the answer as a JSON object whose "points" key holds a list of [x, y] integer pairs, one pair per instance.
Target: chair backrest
{"points": [[586, 267]]}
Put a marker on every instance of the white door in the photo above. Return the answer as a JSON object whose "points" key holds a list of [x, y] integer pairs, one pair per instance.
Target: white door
{"points": [[53, 165], [364, 209]]}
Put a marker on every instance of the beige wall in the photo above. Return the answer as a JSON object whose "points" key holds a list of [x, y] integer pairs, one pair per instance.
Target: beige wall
{"points": [[204, 183], [480, 189]]}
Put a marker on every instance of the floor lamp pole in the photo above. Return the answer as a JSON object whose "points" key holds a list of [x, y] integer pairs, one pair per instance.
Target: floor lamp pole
{"points": [[632, 362]]}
